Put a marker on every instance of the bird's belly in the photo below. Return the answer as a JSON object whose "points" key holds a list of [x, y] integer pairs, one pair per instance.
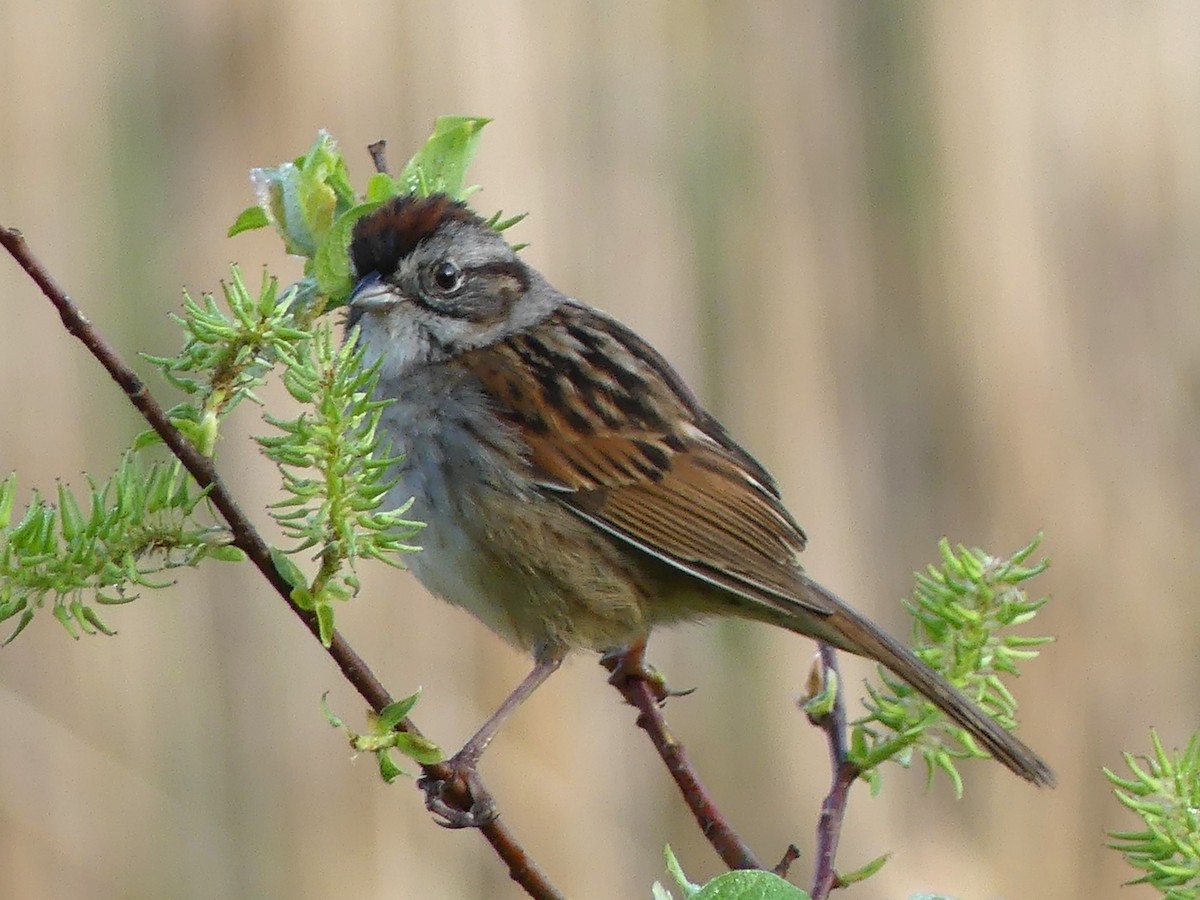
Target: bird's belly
{"points": [[515, 558], [450, 566], [525, 566]]}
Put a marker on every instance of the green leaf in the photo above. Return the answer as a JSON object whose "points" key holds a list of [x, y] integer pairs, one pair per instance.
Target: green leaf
{"points": [[864, 872], [318, 205], [118, 600], [248, 219], [324, 187], [87, 616], [287, 569], [676, 872], [822, 702], [226, 553], [381, 187], [63, 614], [26, 618], [277, 189], [191, 430], [302, 198], [8, 496], [331, 265], [330, 716], [70, 519], [418, 748], [324, 613], [303, 598], [498, 223], [388, 770], [393, 714], [441, 165], [750, 885], [144, 439]]}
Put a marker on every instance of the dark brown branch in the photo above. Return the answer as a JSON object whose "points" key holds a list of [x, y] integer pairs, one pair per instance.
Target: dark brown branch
{"points": [[521, 867], [833, 809], [378, 151], [643, 690]]}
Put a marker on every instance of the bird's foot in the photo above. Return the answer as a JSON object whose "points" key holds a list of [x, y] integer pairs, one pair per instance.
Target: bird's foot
{"points": [[629, 664], [448, 798]]}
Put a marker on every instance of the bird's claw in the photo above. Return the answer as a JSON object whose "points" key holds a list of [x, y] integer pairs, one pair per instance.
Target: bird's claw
{"points": [[631, 665], [465, 782]]}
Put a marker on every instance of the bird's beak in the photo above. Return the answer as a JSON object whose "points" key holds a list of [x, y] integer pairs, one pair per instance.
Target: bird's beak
{"points": [[372, 292]]}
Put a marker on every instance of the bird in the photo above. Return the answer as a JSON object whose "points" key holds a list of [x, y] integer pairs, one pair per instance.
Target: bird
{"points": [[576, 493]]}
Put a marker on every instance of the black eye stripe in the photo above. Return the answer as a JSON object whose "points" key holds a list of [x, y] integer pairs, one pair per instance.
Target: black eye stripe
{"points": [[493, 270], [448, 309], [456, 303], [503, 269]]}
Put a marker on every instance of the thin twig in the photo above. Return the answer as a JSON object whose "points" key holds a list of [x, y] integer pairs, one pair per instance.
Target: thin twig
{"points": [[642, 689], [378, 151], [833, 808], [790, 855], [521, 866]]}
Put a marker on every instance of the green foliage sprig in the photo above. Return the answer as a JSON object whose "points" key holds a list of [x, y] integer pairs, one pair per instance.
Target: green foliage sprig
{"points": [[964, 611], [152, 517], [1165, 792], [140, 522], [384, 737], [333, 466], [312, 206], [226, 355]]}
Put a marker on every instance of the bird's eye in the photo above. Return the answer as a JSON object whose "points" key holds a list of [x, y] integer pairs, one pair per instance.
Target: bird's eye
{"points": [[447, 276]]}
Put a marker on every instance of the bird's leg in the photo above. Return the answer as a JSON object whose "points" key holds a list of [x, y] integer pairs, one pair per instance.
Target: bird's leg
{"points": [[463, 763], [629, 663]]}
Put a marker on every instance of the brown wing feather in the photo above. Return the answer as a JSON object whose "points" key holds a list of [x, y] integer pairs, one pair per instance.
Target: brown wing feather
{"points": [[642, 459]]}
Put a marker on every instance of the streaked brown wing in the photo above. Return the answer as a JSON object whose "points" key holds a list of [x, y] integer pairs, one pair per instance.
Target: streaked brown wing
{"points": [[641, 459]]}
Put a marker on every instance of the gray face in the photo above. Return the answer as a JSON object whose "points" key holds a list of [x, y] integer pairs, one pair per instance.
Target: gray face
{"points": [[461, 271], [436, 280]]}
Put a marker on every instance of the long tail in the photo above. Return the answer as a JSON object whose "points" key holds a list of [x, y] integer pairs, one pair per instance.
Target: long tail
{"points": [[860, 636]]}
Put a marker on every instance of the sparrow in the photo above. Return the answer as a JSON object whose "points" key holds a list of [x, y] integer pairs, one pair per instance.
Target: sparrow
{"points": [[575, 492]]}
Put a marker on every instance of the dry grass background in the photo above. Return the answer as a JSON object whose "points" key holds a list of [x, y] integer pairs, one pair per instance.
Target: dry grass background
{"points": [[936, 265]]}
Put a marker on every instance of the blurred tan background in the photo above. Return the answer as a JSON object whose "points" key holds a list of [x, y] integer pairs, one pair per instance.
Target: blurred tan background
{"points": [[936, 265]]}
